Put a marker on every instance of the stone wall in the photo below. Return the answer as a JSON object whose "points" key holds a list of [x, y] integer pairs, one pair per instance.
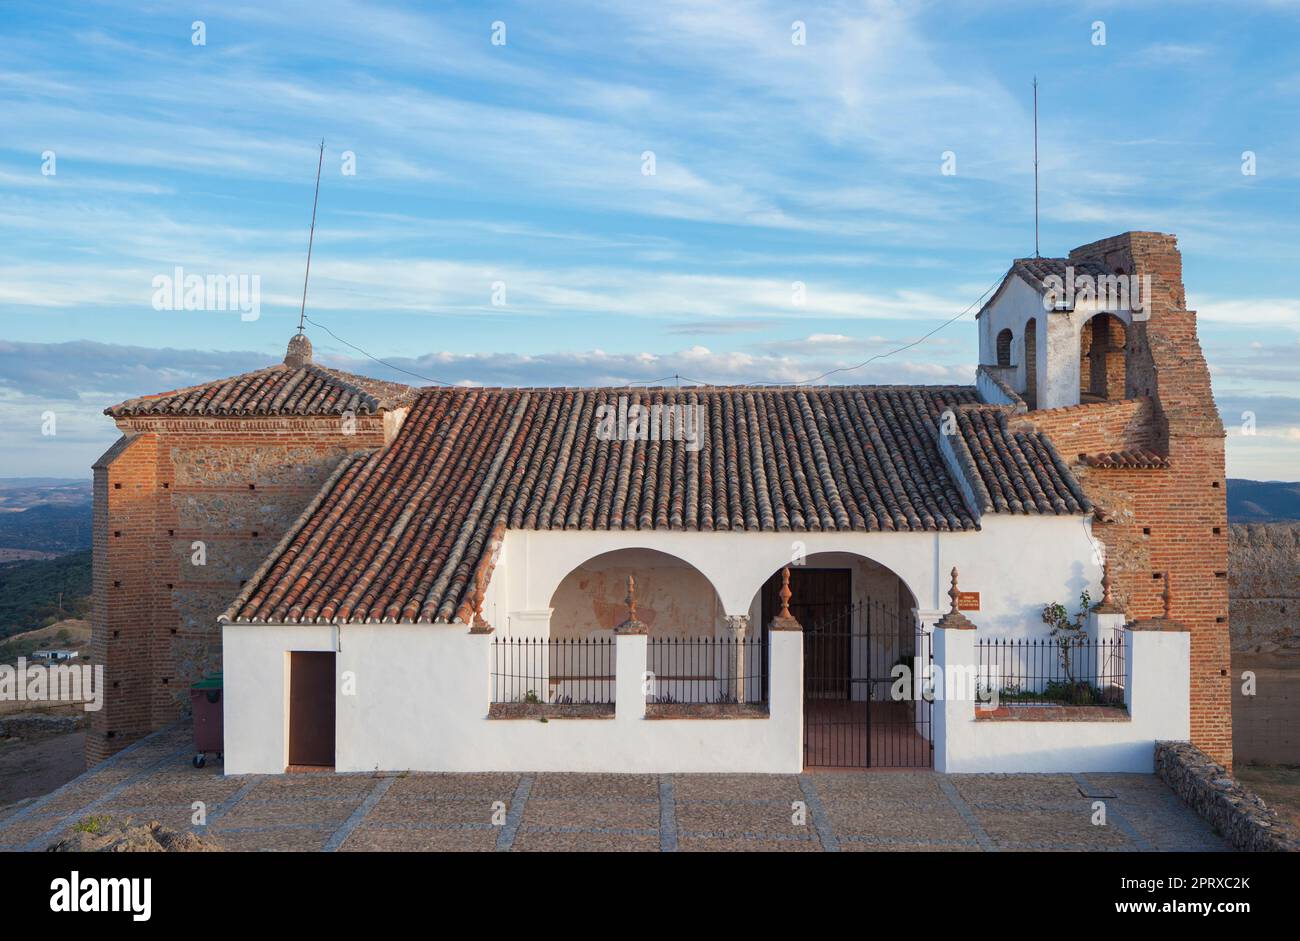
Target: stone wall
{"points": [[1236, 813], [1264, 596], [1264, 588]]}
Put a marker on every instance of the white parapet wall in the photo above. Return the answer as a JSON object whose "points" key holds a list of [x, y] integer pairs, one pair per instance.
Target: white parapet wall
{"points": [[416, 697], [1157, 697]]}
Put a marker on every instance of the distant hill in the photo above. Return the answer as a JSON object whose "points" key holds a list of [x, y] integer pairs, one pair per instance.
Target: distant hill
{"points": [[39, 592], [1262, 501], [47, 527], [44, 515]]}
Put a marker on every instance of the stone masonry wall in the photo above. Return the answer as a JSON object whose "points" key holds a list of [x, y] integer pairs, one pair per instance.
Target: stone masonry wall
{"points": [[233, 485], [1264, 588], [1235, 812]]}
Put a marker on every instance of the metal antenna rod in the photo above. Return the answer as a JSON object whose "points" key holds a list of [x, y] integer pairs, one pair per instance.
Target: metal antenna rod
{"points": [[1036, 255], [311, 235]]}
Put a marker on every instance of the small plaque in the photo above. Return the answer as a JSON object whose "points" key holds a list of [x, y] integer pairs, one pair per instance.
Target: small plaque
{"points": [[968, 601]]}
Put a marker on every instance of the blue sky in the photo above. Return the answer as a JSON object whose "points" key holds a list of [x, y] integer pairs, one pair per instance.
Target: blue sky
{"points": [[522, 163]]}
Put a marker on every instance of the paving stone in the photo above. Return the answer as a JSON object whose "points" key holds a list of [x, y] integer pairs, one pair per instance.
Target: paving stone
{"points": [[583, 842], [737, 787], [299, 786], [882, 846], [916, 823], [696, 844], [374, 839], [488, 786], [251, 813], [611, 814], [718, 818], [893, 785], [644, 786], [1016, 788], [430, 811], [301, 840], [1031, 828]]}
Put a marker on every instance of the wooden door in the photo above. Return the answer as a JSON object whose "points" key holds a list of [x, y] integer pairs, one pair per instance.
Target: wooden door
{"points": [[821, 601], [311, 708]]}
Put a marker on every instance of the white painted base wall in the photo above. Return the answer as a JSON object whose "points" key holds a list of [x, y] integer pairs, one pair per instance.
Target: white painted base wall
{"points": [[422, 696], [1156, 691]]}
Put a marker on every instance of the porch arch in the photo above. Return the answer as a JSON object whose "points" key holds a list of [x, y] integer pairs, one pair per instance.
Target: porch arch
{"points": [[673, 597]]}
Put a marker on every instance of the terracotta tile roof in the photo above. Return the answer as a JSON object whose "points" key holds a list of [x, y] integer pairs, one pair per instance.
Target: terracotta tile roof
{"points": [[410, 533], [1039, 269], [277, 390], [1141, 458], [1018, 470]]}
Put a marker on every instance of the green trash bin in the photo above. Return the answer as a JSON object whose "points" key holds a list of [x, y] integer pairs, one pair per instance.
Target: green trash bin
{"points": [[205, 701]]}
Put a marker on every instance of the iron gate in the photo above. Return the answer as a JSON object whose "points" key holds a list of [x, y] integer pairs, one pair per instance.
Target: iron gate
{"points": [[857, 712]]}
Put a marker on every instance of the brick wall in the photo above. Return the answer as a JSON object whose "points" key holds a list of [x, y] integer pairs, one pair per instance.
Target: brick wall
{"points": [[1164, 520], [233, 484]]}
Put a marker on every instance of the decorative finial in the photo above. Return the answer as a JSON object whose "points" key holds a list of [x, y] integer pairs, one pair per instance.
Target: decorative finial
{"points": [[954, 619], [785, 594], [1106, 599], [631, 625], [299, 351], [1166, 595], [479, 625]]}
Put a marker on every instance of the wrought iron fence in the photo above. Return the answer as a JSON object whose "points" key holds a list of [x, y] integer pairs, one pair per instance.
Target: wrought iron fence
{"points": [[1057, 671], [553, 670], [705, 670]]}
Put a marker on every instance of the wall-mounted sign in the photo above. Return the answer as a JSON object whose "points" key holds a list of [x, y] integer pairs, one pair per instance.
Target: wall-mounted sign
{"points": [[968, 601]]}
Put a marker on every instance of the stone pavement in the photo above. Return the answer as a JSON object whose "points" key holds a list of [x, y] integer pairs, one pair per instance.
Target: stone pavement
{"points": [[835, 811]]}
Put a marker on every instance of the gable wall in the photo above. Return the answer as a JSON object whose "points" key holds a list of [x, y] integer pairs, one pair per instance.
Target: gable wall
{"points": [[169, 483]]}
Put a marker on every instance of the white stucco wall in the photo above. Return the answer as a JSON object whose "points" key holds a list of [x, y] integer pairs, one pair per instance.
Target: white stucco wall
{"points": [[1057, 336], [421, 703], [1157, 684], [1016, 563]]}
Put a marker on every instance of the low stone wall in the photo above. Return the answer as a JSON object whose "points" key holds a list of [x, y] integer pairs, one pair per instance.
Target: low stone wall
{"points": [[1238, 814]]}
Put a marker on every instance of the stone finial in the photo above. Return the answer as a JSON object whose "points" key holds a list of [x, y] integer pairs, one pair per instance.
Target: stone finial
{"points": [[784, 620], [1166, 594], [479, 625], [299, 351], [630, 624], [954, 620], [1107, 605]]}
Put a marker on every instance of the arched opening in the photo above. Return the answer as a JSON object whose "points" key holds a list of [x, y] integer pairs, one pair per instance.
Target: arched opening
{"points": [[859, 625], [1030, 359], [1102, 359], [673, 598], [695, 654], [1004, 348]]}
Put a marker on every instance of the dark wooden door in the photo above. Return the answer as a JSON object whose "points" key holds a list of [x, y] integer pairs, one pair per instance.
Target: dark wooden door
{"points": [[820, 600], [311, 708]]}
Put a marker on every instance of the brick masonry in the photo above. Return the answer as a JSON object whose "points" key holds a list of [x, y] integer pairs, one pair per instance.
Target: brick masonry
{"points": [[1161, 520], [235, 484]]}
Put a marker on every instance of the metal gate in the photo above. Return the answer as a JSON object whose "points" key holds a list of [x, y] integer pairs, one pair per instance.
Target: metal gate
{"points": [[858, 712]]}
